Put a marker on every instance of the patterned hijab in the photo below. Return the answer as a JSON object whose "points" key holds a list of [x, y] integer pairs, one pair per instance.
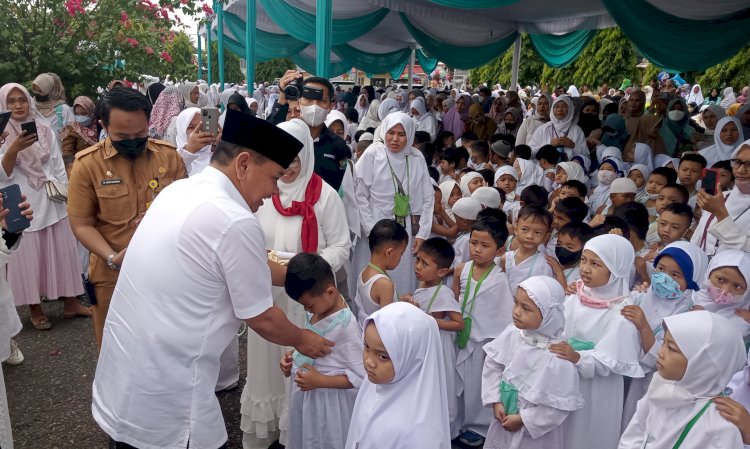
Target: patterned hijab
{"points": [[169, 104]]}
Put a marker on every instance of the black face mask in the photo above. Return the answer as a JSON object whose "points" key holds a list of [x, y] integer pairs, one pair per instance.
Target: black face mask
{"points": [[509, 126], [131, 148], [41, 98], [566, 256]]}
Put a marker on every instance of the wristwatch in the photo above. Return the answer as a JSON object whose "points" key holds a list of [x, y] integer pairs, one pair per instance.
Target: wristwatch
{"points": [[111, 263]]}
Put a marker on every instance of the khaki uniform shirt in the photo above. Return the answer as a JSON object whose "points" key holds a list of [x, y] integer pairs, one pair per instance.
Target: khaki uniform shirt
{"points": [[116, 193]]}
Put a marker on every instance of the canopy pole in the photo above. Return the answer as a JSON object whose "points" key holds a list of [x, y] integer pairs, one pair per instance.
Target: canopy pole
{"points": [[411, 68], [250, 15], [323, 33], [200, 56], [516, 63], [208, 52], [220, 32]]}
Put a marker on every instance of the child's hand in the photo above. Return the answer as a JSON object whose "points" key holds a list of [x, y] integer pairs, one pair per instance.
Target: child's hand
{"points": [[512, 423], [307, 378], [745, 314], [736, 414], [697, 307], [286, 364], [596, 220], [499, 411], [564, 351], [643, 287], [556, 268], [409, 299], [636, 316], [572, 288]]}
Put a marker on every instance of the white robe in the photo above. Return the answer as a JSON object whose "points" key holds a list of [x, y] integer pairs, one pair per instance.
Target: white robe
{"points": [[545, 133]]}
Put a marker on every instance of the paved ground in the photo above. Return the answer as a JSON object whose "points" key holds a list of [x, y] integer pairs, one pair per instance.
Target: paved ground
{"points": [[49, 395]]}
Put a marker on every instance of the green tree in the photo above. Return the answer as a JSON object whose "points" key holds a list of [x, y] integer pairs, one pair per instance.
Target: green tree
{"points": [[184, 62], [270, 70], [232, 72], [89, 42], [734, 72], [499, 70]]}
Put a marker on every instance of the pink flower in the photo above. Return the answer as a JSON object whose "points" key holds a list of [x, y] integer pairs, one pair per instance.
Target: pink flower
{"points": [[132, 42], [165, 56], [123, 16], [164, 14], [207, 9], [74, 7], [149, 51]]}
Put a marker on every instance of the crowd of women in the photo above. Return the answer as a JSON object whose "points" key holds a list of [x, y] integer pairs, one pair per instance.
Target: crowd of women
{"points": [[607, 227]]}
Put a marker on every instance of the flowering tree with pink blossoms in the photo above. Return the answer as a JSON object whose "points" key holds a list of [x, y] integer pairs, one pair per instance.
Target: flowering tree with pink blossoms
{"points": [[91, 42]]}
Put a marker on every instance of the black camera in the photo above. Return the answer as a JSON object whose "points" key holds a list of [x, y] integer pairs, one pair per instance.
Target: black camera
{"points": [[293, 90]]}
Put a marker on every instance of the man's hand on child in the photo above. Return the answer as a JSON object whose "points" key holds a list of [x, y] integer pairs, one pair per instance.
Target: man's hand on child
{"points": [[286, 364], [512, 423], [307, 378], [572, 288], [565, 351], [736, 414], [499, 411]]}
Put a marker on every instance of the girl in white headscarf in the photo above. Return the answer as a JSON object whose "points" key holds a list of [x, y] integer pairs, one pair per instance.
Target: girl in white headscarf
{"points": [[195, 149], [451, 192], [531, 391], [700, 355], [402, 403], [388, 167], [695, 95], [729, 98], [529, 174], [728, 136], [425, 121], [564, 172], [602, 344], [678, 272], [307, 215], [470, 182], [361, 106], [371, 120], [725, 287], [639, 174], [561, 131], [608, 171], [506, 179]]}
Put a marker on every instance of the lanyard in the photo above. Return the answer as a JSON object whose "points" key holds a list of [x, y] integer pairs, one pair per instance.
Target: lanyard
{"points": [[690, 425], [380, 270], [397, 184], [434, 295], [708, 224], [476, 290]]}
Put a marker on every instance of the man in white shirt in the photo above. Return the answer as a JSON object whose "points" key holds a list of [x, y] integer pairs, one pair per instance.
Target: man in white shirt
{"points": [[196, 266]]}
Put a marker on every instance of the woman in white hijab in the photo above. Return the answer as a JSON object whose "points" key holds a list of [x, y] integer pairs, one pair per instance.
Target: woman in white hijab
{"points": [[362, 105], [728, 136], [371, 120], [604, 345], [546, 386], [192, 94], [540, 117], [678, 411], [729, 98], [195, 149], [410, 410], [425, 121], [307, 215], [695, 95], [561, 130], [382, 168], [724, 224]]}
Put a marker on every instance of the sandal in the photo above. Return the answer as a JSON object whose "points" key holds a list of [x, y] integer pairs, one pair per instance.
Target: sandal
{"points": [[41, 323], [83, 312]]}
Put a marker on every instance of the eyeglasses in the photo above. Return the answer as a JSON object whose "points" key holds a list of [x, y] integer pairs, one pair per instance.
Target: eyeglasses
{"points": [[295, 164], [737, 163]]}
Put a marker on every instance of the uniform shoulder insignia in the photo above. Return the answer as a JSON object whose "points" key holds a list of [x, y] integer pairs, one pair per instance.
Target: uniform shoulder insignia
{"points": [[89, 150], [162, 144]]}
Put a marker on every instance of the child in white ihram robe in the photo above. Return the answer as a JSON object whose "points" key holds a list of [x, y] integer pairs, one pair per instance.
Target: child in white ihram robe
{"points": [[608, 344], [530, 381], [378, 173], [714, 351]]}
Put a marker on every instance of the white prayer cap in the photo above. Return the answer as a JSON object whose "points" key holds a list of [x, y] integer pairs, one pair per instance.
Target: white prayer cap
{"points": [[623, 185], [487, 197], [467, 208]]}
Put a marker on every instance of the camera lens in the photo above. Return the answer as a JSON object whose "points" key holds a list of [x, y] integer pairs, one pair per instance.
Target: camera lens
{"points": [[291, 92]]}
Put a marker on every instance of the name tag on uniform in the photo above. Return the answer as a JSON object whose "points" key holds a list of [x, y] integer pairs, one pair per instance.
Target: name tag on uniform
{"points": [[109, 182]]}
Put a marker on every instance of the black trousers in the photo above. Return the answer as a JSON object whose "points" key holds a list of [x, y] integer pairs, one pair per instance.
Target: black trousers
{"points": [[116, 445]]}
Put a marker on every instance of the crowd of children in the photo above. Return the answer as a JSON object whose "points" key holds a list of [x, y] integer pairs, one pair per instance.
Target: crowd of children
{"points": [[554, 307]]}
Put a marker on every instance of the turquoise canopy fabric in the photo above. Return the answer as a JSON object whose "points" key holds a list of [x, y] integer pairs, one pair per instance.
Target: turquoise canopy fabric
{"points": [[428, 64], [397, 71], [374, 62], [456, 56], [473, 4], [680, 44], [301, 24], [267, 45], [560, 51], [308, 65]]}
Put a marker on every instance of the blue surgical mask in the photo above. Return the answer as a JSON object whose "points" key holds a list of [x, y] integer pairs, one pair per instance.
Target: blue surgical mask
{"points": [[664, 286], [83, 120]]}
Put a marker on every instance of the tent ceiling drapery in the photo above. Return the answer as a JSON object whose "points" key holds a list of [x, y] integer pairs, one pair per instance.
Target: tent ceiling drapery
{"points": [[469, 33]]}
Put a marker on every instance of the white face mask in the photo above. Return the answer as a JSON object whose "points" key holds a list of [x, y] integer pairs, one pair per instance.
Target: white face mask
{"points": [[84, 120], [313, 115], [606, 177], [676, 116]]}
